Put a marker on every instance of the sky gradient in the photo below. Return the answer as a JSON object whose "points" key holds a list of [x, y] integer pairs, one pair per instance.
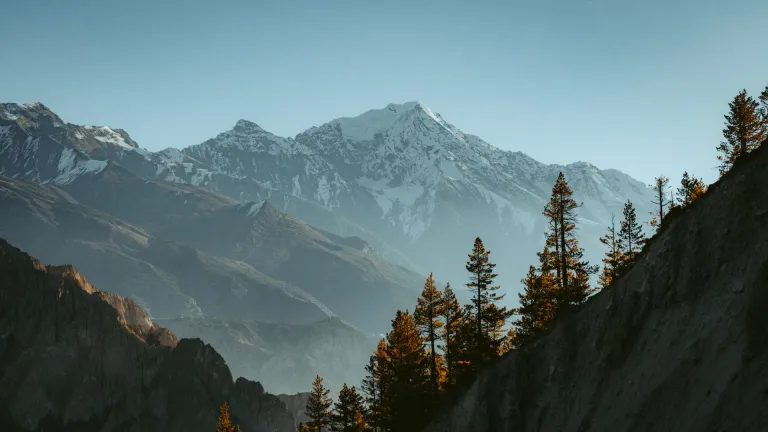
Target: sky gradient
{"points": [[639, 86]]}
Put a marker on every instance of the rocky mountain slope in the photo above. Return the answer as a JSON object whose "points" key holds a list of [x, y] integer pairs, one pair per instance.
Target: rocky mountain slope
{"points": [[344, 273], [401, 178], [285, 357], [75, 358], [678, 344], [172, 280], [169, 279]]}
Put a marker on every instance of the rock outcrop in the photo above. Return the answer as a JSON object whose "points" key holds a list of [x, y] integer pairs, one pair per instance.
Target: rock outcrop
{"points": [[678, 344], [73, 358]]}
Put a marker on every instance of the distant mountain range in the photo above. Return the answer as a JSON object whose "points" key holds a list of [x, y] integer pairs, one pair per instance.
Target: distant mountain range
{"points": [[410, 184], [248, 234]]}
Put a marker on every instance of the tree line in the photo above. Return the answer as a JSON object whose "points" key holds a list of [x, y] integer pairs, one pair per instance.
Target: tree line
{"points": [[441, 345]]}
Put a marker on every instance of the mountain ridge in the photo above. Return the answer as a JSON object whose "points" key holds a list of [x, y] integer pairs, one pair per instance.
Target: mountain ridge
{"points": [[401, 178], [75, 358]]}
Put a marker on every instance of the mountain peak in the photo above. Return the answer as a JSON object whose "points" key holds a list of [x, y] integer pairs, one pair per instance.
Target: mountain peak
{"points": [[365, 126], [243, 125], [34, 112]]}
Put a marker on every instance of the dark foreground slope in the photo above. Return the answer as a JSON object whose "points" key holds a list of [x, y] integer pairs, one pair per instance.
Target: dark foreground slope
{"points": [[76, 359], [679, 344]]}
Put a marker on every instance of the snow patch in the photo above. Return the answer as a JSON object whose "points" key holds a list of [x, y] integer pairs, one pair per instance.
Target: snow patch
{"points": [[72, 165], [108, 135], [296, 186]]}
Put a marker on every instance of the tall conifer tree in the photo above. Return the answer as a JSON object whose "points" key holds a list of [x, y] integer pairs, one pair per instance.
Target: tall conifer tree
{"points": [[371, 387], [536, 309], [660, 186], [427, 315], [484, 294], [614, 258], [631, 237], [404, 396], [318, 407], [452, 319], [562, 250], [347, 415], [745, 130]]}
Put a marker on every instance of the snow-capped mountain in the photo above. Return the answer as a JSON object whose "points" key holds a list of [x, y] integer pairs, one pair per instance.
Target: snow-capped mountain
{"points": [[413, 179], [401, 177]]}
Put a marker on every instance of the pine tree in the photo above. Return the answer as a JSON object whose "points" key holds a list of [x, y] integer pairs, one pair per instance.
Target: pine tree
{"points": [[764, 103], [614, 258], [404, 396], [371, 388], [427, 315], [562, 249], [224, 423], [348, 411], [631, 238], [484, 294], [536, 310], [452, 318], [691, 189], [318, 406], [464, 353], [745, 130], [660, 186], [375, 386]]}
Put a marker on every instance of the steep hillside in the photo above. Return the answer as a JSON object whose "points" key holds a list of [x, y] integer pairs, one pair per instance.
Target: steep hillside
{"points": [[168, 279], [76, 359], [284, 357], [678, 344]]}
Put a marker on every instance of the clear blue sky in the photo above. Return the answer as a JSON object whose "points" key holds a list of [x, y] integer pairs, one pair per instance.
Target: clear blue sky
{"points": [[640, 86]]}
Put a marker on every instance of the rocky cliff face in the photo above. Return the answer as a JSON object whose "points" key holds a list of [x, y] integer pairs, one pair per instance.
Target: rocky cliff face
{"points": [[73, 358], [285, 357], [678, 344]]}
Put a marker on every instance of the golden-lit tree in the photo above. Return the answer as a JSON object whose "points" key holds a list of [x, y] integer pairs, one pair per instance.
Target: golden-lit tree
{"points": [[453, 318], [614, 258], [691, 189], [224, 423], [745, 130], [404, 398], [536, 309], [427, 316], [318, 406], [347, 415]]}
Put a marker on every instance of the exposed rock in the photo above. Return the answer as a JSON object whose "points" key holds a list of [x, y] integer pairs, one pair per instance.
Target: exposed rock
{"points": [[285, 357], [73, 358], [296, 405], [678, 344]]}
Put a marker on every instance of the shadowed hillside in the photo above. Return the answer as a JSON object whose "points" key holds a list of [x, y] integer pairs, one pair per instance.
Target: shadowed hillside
{"points": [[680, 343], [73, 358]]}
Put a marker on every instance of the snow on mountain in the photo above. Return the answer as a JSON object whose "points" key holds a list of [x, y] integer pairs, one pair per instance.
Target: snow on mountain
{"points": [[412, 178], [402, 174]]}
